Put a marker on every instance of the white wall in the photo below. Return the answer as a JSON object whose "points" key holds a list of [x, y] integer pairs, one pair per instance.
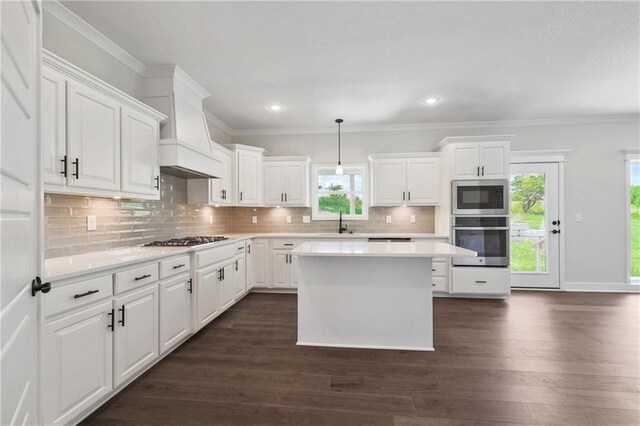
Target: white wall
{"points": [[594, 179]]}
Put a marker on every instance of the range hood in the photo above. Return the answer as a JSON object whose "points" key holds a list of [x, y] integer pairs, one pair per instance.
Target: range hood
{"points": [[185, 144]]}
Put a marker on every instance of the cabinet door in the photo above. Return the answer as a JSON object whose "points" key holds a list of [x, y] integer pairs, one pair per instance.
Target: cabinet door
{"points": [[296, 184], [274, 187], [294, 271], [207, 286], [93, 139], [389, 182], [261, 265], [53, 127], [466, 161], [423, 181], [249, 266], [240, 277], [136, 332], [281, 270], [175, 302], [140, 171], [249, 178], [221, 191], [494, 161], [227, 291], [76, 363]]}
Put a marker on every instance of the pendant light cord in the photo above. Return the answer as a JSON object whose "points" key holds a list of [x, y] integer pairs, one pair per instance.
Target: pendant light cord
{"points": [[339, 121]]}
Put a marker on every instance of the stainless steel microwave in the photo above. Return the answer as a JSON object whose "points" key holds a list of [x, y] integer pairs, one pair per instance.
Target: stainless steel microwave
{"points": [[480, 197]]}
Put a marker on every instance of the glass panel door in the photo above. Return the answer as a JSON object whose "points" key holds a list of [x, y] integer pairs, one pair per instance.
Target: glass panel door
{"points": [[535, 226], [634, 213]]}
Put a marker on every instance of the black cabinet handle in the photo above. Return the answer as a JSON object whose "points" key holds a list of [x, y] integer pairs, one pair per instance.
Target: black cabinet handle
{"points": [[190, 289], [182, 265], [281, 197], [286, 198], [157, 179], [288, 244], [478, 172], [78, 296], [37, 285], [121, 321], [240, 195], [409, 196], [482, 170], [236, 265], [286, 258], [111, 322], [403, 196], [249, 248], [142, 277], [223, 273], [481, 282], [64, 166], [77, 166], [240, 248], [223, 194]]}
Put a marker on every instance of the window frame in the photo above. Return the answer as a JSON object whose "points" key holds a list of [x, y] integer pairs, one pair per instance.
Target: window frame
{"points": [[632, 156], [362, 168]]}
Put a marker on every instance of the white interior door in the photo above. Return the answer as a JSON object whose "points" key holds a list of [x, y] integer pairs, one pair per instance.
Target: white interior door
{"points": [[535, 227], [20, 193]]}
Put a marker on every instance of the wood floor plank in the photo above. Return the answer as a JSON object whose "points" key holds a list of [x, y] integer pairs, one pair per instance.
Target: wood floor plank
{"points": [[536, 358]]}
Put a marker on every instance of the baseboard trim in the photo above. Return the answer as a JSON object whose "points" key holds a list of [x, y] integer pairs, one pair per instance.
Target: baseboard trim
{"points": [[600, 287], [274, 290], [396, 348]]}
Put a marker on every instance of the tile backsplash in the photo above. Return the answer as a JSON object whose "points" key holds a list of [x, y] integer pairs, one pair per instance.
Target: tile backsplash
{"points": [[125, 223]]}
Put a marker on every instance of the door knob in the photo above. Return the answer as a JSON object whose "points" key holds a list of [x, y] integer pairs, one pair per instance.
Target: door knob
{"points": [[37, 285], [555, 222], [555, 231]]}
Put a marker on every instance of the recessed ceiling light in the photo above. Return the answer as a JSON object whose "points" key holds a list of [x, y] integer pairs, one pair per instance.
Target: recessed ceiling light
{"points": [[431, 100], [274, 107]]}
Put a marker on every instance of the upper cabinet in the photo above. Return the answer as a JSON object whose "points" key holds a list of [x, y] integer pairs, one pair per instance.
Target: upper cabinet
{"points": [[214, 191], [248, 174], [405, 179], [478, 157], [286, 181], [96, 140]]}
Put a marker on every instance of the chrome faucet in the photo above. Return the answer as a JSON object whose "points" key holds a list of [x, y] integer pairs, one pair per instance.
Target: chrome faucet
{"points": [[341, 228]]}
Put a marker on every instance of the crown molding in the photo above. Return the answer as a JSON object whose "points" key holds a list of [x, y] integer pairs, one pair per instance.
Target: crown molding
{"points": [[90, 33], [540, 156], [219, 123], [628, 118]]}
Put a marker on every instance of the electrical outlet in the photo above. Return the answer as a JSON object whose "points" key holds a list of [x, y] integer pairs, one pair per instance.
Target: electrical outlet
{"points": [[413, 218], [306, 219], [578, 217], [254, 219], [288, 219], [210, 218], [388, 219], [91, 223]]}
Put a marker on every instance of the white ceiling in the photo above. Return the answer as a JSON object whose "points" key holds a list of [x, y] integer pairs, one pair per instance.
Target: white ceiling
{"points": [[373, 63]]}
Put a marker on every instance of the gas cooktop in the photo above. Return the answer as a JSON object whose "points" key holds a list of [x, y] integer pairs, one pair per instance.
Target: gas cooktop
{"points": [[186, 242]]}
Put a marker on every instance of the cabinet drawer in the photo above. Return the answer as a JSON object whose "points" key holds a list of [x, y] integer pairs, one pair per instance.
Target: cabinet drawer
{"points": [[78, 294], [174, 266], [285, 244], [439, 269], [137, 277], [239, 247], [440, 284], [214, 255], [480, 280]]}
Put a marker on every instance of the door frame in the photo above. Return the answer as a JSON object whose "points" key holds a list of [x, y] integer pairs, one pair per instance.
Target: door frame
{"points": [[558, 156], [631, 155]]}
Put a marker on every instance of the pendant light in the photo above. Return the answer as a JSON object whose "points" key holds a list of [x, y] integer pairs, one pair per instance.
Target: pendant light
{"points": [[339, 170]]}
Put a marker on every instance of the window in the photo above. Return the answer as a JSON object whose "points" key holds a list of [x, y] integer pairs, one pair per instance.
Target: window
{"points": [[332, 194], [634, 217]]}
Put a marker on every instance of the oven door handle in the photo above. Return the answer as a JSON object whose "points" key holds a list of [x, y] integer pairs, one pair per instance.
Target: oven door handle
{"points": [[480, 228]]}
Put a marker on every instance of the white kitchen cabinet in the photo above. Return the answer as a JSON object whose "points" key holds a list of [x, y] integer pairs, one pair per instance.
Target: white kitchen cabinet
{"points": [[175, 310], [53, 126], [283, 271], [76, 362], [93, 138], [140, 170], [484, 160], [480, 280], [240, 277], [136, 332], [405, 179], [227, 289], [260, 263], [214, 191], [207, 306], [249, 174], [249, 266], [286, 181]]}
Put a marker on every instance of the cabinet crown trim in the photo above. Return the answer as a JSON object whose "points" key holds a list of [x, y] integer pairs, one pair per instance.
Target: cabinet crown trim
{"points": [[56, 63], [404, 155], [287, 158], [472, 139], [239, 147]]}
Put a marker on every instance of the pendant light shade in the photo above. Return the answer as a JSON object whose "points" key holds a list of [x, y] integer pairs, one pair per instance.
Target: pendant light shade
{"points": [[339, 170]]}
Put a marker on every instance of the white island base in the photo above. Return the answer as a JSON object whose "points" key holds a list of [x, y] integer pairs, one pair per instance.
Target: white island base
{"points": [[367, 295]]}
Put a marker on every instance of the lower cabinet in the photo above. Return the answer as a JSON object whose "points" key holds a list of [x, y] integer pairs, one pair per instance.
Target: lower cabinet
{"points": [[136, 332], [175, 310], [480, 280], [260, 263], [207, 306], [227, 293], [249, 273], [283, 270], [240, 277], [77, 362]]}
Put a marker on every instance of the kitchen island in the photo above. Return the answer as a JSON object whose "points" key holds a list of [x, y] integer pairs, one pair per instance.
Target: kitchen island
{"points": [[374, 295]]}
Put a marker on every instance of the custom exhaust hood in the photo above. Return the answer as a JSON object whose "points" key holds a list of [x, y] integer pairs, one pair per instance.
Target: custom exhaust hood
{"points": [[185, 144]]}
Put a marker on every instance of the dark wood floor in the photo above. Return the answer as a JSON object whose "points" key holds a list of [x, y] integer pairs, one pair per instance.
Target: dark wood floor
{"points": [[537, 358]]}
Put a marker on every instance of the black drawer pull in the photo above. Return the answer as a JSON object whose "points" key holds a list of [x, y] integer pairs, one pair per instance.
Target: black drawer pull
{"points": [[178, 266], [288, 244], [78, 296], [142, 277], [240, 248], [433, 270], [481, 282]]}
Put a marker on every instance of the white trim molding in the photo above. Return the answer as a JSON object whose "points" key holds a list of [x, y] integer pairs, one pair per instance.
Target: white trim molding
{"points": [[600, 287], [81, 26], [540, 156], [631, 153]]}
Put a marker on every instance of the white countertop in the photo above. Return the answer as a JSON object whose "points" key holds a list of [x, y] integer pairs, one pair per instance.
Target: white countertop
{"points": [[61, 268], [380, 249]]}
